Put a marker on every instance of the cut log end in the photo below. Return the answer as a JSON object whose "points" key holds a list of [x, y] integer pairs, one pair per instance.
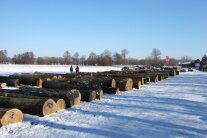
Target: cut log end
{"points": [[49, 107], [113, 83], [129, 84], [139, 85], [99, 94], [74, 97], [39, 82], [61, 104], [10, 116], [3, 85]]}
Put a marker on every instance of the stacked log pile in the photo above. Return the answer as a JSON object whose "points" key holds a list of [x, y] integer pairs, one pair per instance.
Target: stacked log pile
{"points": [[66, 90]]}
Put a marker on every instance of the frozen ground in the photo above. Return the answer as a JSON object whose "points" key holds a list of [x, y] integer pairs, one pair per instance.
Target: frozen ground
{"points": [[176, 107], [8, 69]]}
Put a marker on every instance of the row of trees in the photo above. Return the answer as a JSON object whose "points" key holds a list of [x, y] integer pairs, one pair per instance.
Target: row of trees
{"points": [[106, 58]]}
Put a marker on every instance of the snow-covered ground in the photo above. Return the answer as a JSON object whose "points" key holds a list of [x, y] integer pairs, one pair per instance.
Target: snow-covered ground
{"points": [[8, 69], [175, 107]]}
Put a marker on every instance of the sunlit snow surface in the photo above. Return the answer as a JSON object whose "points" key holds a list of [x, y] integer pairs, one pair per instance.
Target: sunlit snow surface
{"points": [[175, 107]]}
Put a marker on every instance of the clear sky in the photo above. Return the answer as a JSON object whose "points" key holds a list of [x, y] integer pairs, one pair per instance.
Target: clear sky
{"points": [[50, 27]]}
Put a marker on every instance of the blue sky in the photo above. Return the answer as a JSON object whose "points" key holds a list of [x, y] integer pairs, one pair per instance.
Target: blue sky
{"points": [[50, 27]]}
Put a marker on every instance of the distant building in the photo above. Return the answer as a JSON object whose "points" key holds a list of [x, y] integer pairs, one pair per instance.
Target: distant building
{"points": [[187, 65], [197, 64]]}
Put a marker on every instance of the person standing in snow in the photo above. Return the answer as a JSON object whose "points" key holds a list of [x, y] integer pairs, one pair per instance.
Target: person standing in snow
{"points": [[71, 69], [77, 69]]}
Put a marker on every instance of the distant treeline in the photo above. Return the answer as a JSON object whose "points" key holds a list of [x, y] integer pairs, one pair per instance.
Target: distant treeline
{"points": [[104, 59]]}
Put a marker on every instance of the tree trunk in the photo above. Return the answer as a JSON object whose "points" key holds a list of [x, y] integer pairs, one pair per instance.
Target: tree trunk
{"points": [[71, 97], [39, 107], [88, 95], [56, 84], [137, 84], [99, 94], [124, 84], [60, 102], [28, 79], [154, 78], [9, 81], [111, 90], [172, 73], [177, 72], [10, 116]]}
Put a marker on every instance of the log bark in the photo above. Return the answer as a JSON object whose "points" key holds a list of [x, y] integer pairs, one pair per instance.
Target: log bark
{"points": [[177, 72], [59, 101], [56, 84], [28, 79], [86, 87], [10, 116], [9, 81], [172, 73], [124, 84], [137, 84], [154, 78], [39, 107], [99, 94], [88, 95], [111, 90], [71, 97]]}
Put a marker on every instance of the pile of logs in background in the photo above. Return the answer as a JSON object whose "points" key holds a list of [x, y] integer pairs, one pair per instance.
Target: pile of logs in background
{"points": [[59, 91]]}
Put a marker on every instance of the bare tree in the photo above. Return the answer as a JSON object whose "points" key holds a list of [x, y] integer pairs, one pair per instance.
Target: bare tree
{"points": [[76, 58], [204, 59], [3, 56], [124, 53], [83, 59], [24, 58], [67, 57], [185, 59], [156, 55], [173, 62], [118, 59], [92, 59], [106, 53]]}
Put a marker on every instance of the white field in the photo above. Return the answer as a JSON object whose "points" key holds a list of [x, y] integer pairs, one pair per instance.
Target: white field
{"points": [[8, 69], [175, 107]]}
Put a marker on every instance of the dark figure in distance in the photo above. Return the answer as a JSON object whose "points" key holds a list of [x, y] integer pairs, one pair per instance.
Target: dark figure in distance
{"points": [[77, 69], [71, 69]]}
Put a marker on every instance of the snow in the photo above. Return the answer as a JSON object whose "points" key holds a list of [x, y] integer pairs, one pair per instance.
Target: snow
{"points": [[8, 69], [175, 107]]}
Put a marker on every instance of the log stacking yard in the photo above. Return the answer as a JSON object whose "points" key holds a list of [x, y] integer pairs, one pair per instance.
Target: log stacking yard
{"points": [[59, 91]]}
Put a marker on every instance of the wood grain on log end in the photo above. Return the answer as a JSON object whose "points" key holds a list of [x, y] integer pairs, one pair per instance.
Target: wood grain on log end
{"points": [[2, 85], [10, 116], [113, 83], [129, 84], [74, 97], [49, 107], [99, 94], [60, 104]]}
